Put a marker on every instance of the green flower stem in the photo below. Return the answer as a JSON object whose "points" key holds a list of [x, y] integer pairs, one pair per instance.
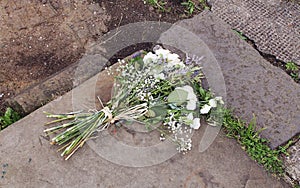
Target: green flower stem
{"points": [[81, 139]]}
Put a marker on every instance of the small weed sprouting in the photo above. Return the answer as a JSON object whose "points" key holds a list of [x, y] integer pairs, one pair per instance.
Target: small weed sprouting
{"points": [[240, 34], [9, 117], [292, 70], [158, 4], [204, 5], [190, 6], [291, 66]]}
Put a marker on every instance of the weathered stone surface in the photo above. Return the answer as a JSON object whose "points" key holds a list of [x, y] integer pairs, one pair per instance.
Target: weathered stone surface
{"points": [[39, 38], [273, 24], [253, 85], [28, 159], [292, 162], [57, 85]]}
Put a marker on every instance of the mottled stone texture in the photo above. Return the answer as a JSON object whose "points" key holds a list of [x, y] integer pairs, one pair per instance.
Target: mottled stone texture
{"points": [[292, 162], [57, 85], [28, 159], [39, 38], [253, 85], [272, 24]]}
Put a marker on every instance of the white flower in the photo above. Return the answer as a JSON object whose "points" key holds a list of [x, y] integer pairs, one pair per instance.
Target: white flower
{"points": [[213, 103], [205, 109], [149, 58], [190, 116], [173, 60], [159, 76], [162, 53], [191, 105], [196, 123], [191, 98]]}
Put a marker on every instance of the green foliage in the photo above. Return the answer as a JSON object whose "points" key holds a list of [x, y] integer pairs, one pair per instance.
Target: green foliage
{"points": [[291, 66], [253, 144], [158, 4], [247, 135], [190, 6], [240, 34], [204, 4], [178, 97], [292, 70], [9, 117], [203, 94]]}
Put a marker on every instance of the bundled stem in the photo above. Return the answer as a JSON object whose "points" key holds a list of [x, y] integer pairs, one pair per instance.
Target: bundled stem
{"points": [[83, 126]]}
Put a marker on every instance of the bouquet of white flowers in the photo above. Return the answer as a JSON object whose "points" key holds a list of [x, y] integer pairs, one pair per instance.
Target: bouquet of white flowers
{"points": [[152, 89]]}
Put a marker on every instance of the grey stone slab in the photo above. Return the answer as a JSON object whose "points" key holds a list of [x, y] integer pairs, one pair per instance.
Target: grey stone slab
{"points": [[273, 24], [292, 162], [28, 159], [253, 85]]}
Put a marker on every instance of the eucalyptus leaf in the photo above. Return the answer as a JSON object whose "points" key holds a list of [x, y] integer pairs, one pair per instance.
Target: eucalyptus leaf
{"points": [[159, 110], [178, 96], [150, 113]]}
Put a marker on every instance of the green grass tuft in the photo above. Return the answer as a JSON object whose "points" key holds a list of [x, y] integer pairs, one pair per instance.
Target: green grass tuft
{"points": [[292, 70], [256, 147], [9, 117], [291, 66], [158, 4]]}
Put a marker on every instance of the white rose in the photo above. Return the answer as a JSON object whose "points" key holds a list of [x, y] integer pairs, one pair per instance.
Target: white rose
{"points": [[162, 53], [149, 58], [173, 60]]}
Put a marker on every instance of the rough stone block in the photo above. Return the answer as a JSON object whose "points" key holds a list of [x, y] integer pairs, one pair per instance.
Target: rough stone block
{"points": [[253, 85]]}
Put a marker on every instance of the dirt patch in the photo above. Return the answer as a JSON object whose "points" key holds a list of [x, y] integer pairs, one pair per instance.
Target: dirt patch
{"points": [[129, 11], [39, 38]]}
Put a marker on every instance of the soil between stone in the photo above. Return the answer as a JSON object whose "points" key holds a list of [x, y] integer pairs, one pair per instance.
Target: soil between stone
{"points": [[43, 45], [41, 37], [60, 63]]}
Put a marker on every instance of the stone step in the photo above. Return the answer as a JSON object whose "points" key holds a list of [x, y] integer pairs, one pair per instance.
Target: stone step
{"points": [[273, 25], [292, 162], [253, 86], [28, 160]]}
